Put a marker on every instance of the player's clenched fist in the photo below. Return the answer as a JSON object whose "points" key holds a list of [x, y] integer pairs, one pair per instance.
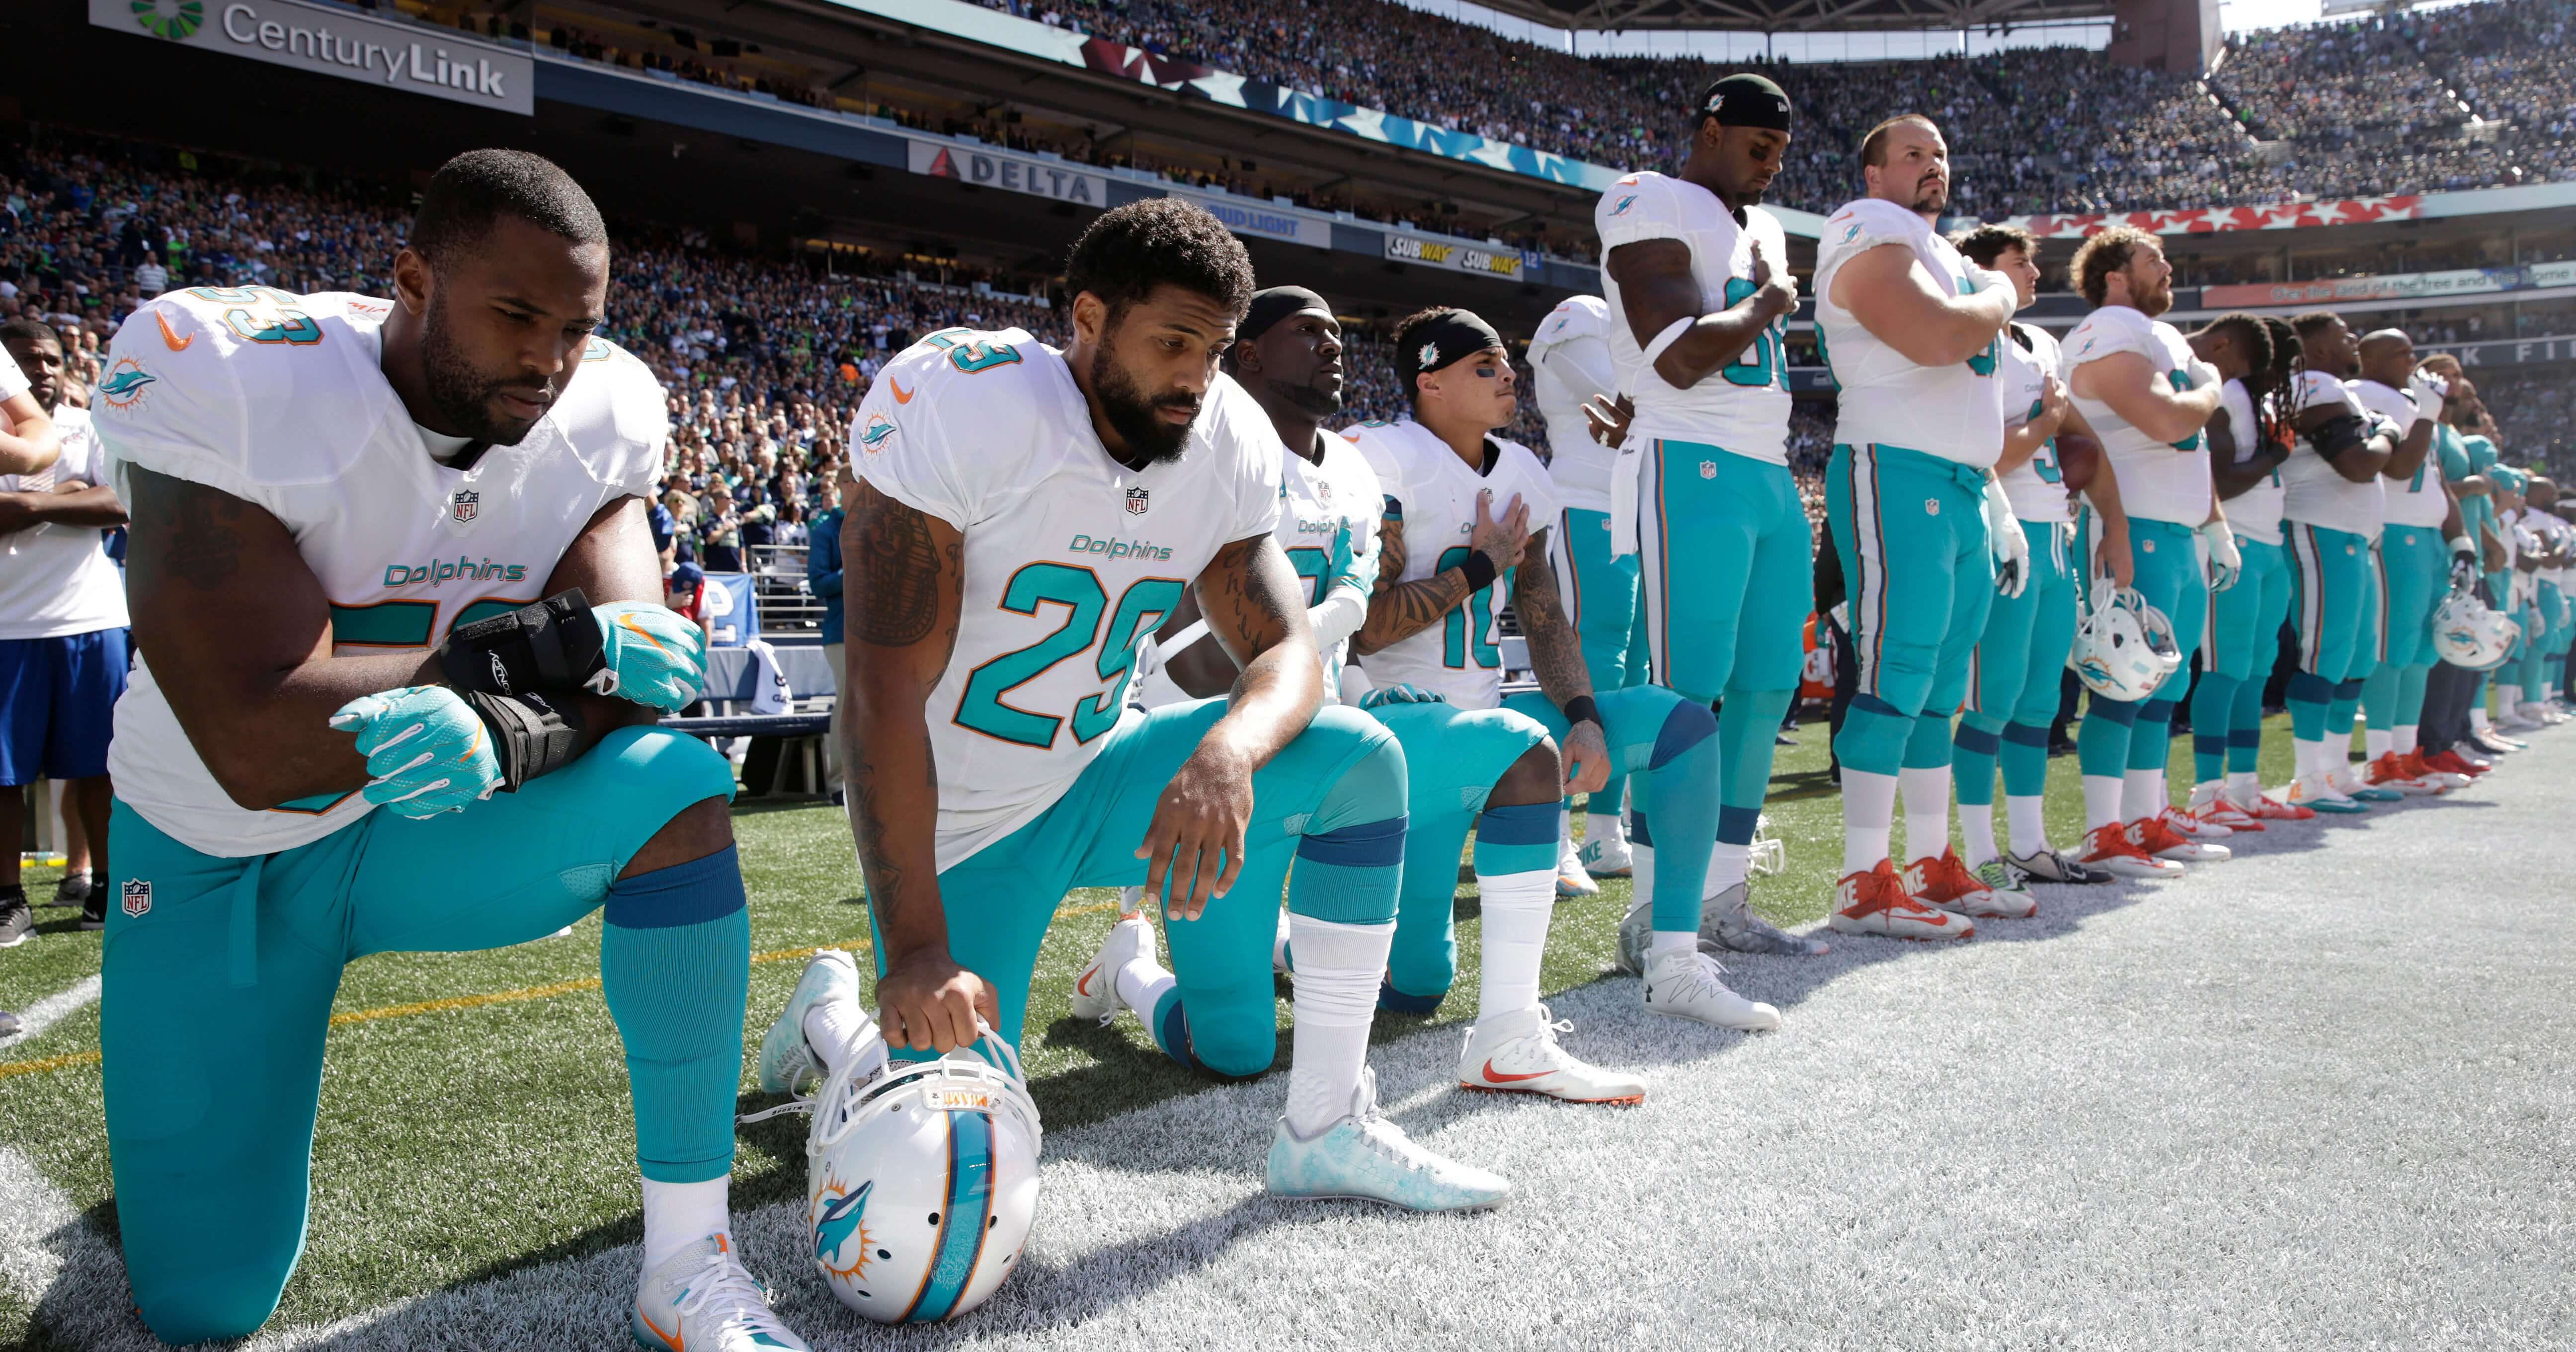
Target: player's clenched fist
{"points": [[426, 750], [927, 1002], [659, 657], [1198, 831]]}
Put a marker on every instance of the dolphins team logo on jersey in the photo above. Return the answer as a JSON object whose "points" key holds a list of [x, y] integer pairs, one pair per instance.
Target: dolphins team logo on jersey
{"points": [[877, 433], [1624, 203], [123, 388], [464, 505], [1138, 499]]}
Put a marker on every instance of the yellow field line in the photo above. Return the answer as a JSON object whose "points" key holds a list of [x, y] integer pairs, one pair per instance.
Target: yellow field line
{"points": [[455, 1002]]}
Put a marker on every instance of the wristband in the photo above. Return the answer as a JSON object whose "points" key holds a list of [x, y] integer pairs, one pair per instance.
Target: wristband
{"points": [[531, 735], [1581, 709], [554, 645], [2460, 545], [1479, 570]]}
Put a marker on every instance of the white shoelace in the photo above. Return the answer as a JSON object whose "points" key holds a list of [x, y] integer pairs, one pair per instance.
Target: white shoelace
{"points": [[723, 1277]]}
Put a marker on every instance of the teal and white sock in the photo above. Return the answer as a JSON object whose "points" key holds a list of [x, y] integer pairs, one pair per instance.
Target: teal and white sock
{"points": [[1516, 884]]}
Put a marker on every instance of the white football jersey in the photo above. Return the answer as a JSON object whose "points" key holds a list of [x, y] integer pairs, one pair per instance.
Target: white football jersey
{"points": [[1955, 412], [2037, 486], [2254, 514], [1433, 493], [1071, 557], [2159, 480], [2418, 499], [13, 382], [280, 400], [1743, 408], [1570, 362], [2311, 490], [57, 579], [1328, 516]]}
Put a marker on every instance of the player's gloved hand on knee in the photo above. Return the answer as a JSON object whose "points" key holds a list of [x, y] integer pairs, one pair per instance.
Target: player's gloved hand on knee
{"points": [[1400, 693], [659, 657], [2004, 536], [2225, 562], [426, 750]]}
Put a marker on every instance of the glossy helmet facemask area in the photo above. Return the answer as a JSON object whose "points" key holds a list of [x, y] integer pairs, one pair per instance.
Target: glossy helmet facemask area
{"points": [[2124, 648], [922, 1180]]}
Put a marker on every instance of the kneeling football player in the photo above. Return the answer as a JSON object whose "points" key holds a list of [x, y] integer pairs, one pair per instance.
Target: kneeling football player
{"points": [[392, 519]]}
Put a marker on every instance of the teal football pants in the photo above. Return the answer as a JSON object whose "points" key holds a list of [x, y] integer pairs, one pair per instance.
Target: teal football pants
{"points": [[2013, 675], [1911, 530], [220, 974], [1601, 596], [2118, 736], [2334, 599], [2237, 653], [1334, 800], [1728, 565], [2414, 574], [1452, 758]]}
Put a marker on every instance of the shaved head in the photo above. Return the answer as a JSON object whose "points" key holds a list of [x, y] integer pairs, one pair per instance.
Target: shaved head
{"points": [[2387, 356]]}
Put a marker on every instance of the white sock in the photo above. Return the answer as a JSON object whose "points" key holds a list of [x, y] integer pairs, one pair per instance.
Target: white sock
{"points": [[677, 1215], [1977, 830], [2142, 794], [2101, 801], [2310, 756], [1666, 943], [1604, 826], [2027, 815], [1279, 943], [2508, 697], [1141, 984], [1516, 908], [1338, 967], [1927, 809], [2375, 743], [2478, 719], [830, 1026], [1869, 805], [2401, 739], [1727, 866], [2243, 786]]}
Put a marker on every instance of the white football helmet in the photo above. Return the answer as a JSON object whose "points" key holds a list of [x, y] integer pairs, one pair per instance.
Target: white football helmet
{"points": [[2468, 634], [922, 1180], [2124, 648], [1768, 854]]}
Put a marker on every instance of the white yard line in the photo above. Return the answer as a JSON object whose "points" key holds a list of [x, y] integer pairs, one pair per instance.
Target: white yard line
{"points": [[53, 1009]]}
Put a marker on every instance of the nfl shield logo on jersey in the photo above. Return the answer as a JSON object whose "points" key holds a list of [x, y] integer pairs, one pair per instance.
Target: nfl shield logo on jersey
{"points": [[464, 505], [1138, 500], [138, 897]]}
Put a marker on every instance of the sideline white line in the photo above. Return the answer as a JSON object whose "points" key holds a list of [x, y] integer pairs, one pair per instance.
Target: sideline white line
{"points": [[51, 1010]]}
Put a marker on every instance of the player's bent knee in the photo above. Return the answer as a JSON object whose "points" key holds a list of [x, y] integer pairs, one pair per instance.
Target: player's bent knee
{"points": [[1536, 777], [1371, 786]]}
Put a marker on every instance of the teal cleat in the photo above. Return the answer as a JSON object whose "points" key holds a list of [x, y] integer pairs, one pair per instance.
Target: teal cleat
{"points": [[1366, 1158], [786, 1060]]}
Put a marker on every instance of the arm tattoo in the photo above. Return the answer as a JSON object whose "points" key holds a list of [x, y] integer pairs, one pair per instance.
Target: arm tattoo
{"points": [[1555, 653], [887, 550], [1399, 610], [1246, 602], [199, 528], [886, 880]]}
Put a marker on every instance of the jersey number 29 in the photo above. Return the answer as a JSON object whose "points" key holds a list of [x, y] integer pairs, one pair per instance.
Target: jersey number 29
{"points": [[983, 707]]}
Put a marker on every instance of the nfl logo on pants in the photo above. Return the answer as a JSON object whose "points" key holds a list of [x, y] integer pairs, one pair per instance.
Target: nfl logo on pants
{"points": [[138, 897], [1137, 500]]}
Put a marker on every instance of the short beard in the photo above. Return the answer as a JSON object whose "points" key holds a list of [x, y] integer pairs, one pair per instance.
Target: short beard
{"points": [[1131, 412], [458, 393], [1933, 201], [1307, 399], [2154, 303]]}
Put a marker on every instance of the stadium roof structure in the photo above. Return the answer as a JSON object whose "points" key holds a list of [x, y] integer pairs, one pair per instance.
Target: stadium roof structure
{"points": [[1798, 15]]}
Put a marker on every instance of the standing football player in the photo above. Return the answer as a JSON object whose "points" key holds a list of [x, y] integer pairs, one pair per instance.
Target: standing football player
{"points": [[2331, 497], [2013, 672], [1697, 279], [2417, 517], [1028, 518], [1458, 506], [400, 617], [1572, 366], [1914, 333], [2150, 391]]}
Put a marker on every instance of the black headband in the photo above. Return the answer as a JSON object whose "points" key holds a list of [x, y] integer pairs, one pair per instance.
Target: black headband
{"points": [[1275, 304], [1746, 101], [1446, 336]]}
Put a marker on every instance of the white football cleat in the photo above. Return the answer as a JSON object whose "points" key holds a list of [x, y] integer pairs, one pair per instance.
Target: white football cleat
{"points": [[2210, 805], [1688, 986], [786, 1058], [1364, 1157], [1605, 853], [1518, 1054], [2512, 720], [701, 1300], [1571, 880], [1095, 988], [2352, 784], [2317, 793]]}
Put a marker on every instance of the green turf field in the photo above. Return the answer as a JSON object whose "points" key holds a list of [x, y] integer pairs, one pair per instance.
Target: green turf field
{"points": [[474, 1114]]}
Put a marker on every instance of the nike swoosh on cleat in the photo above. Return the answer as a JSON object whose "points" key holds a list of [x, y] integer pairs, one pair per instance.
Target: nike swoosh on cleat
{"points": [[1082, 986], [1499, 1077], [670, 1339]]}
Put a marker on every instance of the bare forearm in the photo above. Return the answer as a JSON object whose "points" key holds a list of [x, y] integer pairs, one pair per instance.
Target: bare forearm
{"points": [[1713, 342], [894, 812], [1556, 652], [86, 507], [30, 444], [1271, 702], [1404, 609], [2020, 444], [2410, 452]]}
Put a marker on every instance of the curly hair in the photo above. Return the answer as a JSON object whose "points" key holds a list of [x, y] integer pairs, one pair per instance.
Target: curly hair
{"points": [[2106, 252], [1987, 243], [1159, 241]]}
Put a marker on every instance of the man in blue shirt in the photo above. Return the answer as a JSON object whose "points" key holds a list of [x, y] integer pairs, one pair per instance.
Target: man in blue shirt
{"points": [[823, 578]]}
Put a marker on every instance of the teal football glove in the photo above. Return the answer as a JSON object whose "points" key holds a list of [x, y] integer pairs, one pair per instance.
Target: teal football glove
{"points": [[658, 657], [1400, 693], [426, 751]]}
